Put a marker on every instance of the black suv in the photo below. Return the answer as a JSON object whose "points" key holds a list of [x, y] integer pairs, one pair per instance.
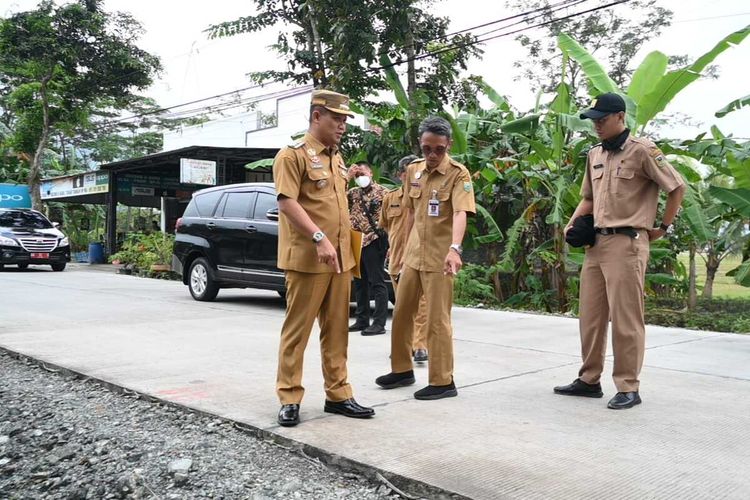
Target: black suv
{"points": [[28, 237], [228, 238]]}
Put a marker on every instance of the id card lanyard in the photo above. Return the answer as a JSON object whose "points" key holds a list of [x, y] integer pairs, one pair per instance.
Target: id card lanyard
{"points": [[433, 205]]}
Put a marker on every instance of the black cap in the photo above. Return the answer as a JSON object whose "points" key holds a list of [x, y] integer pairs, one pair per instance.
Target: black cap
{"points": [[604, 105], [582, 232]]}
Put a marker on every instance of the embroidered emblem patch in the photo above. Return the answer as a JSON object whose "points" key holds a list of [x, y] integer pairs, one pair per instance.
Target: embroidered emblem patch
{"points": [[467, 187], [658, 157]]}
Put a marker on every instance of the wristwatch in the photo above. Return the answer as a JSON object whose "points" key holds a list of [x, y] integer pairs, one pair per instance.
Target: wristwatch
{"points": [[667, 228], [458, 248], [318, 236]]}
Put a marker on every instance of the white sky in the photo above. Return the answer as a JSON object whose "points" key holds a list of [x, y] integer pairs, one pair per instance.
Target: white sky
{"points": [[195, 67]]}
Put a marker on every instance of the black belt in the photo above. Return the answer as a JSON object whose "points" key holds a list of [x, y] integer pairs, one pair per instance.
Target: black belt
{"points": [[630, 231]]}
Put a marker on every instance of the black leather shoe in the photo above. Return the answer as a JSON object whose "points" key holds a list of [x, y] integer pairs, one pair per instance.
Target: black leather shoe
{"points": [[623, 400], [393, 380], [289, 415], [358, 327], [580, 388], [420, 355], [437, 392], [348, 408], [373, 330]]}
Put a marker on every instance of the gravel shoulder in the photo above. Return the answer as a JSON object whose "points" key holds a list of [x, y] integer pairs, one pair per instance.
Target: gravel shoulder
{"points": [[64, 437]]}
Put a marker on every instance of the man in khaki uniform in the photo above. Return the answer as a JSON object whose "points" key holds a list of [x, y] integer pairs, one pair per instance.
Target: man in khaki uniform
{"points": [[392, 219], [440, 195], [621, 189], [315, 251]]}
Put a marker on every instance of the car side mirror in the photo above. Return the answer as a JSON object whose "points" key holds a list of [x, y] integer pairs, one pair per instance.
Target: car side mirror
{"points": [[273, 214], [56, 225]]}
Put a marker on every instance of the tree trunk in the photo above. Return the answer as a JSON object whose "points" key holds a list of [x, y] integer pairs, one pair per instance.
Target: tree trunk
{"points": [[692, 292], [411, 87], [36, 161], [712, 265], [319, 75]]}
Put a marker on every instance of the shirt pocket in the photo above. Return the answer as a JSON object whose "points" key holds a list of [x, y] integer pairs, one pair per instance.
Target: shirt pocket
{"points": [[394, 211], [319, 183], [415, 192], [597, 174], [625, 181], [444, 194]]}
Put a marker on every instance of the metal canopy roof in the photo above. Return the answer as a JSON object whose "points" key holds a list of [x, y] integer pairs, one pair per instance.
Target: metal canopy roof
{"points": [[233, 157]]}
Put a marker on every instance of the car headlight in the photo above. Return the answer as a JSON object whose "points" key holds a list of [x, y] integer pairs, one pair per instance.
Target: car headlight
{"points": [[64, 242], [8, 242]]}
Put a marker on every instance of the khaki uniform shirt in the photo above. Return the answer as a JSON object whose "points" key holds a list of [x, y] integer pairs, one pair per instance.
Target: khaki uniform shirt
{"points": [[316, 177], [393, 219], [362, 202], [449, 186], [624, 184]]}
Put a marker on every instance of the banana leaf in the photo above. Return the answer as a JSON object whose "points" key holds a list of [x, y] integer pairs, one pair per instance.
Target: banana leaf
{"points": [[391, 77], [497, 99], [647, 75], [698, 222], [524, 124], [739, 199], [597, 76], [675, 81], [733, 106], [494, 233]]}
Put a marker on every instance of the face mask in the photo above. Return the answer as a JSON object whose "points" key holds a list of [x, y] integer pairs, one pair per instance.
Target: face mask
{"points": [[362, 181]]}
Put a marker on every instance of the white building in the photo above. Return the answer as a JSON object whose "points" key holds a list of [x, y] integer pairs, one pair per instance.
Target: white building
{"points": [[272, 124]]}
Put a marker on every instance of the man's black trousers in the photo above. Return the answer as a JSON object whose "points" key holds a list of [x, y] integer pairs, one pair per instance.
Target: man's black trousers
{"points": [[372, 282]]}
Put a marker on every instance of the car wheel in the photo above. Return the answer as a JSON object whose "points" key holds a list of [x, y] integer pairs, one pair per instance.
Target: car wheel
{"points": [[58, 267], [23, 266], [201, 281]]}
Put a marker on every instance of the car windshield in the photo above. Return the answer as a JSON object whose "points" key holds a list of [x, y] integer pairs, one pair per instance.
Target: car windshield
{"points": [[17, 218]]}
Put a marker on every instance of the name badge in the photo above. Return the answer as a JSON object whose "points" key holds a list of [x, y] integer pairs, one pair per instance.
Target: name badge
{"points": [[433, 206]]}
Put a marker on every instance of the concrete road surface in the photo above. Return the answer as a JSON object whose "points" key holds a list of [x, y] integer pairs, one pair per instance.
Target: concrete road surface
{"points": [[506, 435]]}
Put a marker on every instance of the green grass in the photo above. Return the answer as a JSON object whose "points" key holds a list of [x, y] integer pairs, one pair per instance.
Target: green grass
{"points": [[724, 286]]}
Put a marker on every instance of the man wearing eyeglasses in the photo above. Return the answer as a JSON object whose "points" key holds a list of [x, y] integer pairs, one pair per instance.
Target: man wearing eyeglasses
{"points": [[439, 197], [621, 189]]}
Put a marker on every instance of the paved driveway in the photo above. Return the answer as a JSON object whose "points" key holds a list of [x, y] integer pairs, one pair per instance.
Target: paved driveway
{"points": [[505, 436]]}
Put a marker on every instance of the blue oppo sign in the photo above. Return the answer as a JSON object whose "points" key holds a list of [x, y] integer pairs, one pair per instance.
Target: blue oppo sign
{"points": [[14, 196]]}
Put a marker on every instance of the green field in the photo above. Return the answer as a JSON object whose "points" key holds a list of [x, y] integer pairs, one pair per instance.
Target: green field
{"points": [[724, 286]]}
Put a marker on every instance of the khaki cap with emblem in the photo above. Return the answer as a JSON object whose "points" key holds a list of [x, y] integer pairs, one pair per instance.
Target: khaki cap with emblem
{"points": [[332, 101]]}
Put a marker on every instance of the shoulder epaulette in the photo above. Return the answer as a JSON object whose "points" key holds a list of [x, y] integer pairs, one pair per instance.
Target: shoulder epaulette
{"points": [[297, 145]]}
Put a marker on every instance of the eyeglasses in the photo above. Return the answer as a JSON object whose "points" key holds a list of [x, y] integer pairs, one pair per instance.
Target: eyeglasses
{"points": [[427, 150]]}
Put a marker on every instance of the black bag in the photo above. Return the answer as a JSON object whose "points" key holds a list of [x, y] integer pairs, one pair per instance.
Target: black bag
{"points": [[381, 233], [582, 232]]}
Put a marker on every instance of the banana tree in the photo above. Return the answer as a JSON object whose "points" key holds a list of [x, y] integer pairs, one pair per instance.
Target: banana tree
{"points": [[652, 87]]}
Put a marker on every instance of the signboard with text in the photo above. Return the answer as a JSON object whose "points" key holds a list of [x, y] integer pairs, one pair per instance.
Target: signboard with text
{"points": [[197, 172], [75, 185]]}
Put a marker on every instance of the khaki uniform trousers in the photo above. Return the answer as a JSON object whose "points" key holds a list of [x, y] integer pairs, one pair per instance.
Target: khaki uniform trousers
{"points": [[612, 281], [437, 289], [420, 320], [311, 295]]}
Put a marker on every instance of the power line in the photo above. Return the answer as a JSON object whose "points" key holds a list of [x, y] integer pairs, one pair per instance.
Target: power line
{"points": [[547, 8], [478, 41]]}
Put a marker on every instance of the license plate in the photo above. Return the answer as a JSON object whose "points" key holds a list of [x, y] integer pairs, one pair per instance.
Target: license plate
{"points": [[40, 256]]}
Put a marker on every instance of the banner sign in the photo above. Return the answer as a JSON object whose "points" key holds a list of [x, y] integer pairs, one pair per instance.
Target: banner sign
{"points": [[197, 172], [75, 185], [14, 196]]}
